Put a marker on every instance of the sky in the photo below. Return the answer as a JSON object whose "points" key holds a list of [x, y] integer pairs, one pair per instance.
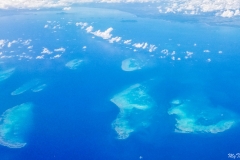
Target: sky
{"points": [[223, 8]]}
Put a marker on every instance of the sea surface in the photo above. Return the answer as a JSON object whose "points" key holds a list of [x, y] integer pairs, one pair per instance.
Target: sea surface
{"points": [[72, 115]]}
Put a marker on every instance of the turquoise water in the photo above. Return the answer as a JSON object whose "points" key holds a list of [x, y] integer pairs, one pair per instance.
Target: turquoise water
{"points": [[188, 84]]}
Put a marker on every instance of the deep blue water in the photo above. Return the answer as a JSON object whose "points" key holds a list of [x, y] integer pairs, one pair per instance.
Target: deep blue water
{"points": [[72, 116]]}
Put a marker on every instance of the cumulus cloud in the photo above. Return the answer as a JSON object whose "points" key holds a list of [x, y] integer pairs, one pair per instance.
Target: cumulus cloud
{"points": [[127, 41], [208, 60], [229, 13], [105, 35], [152, 48], [10, 43], [2, 43], [60, 49], [46, 51], [145, 45], [7, 4], [66, 8], [26, 42], [83, 25], [89, 29], [127, 1], [56, 56], [31, 4], [40, 57], [115, 39], [165, 51], [138, 45], [224, 8], [2, 57], [30, 47], [189, 54]]}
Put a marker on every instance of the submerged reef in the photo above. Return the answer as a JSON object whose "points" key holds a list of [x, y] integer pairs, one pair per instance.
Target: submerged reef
{"points": [[131, 64], [5, 74], [193, 116], [136, 108], [74, 64], [14, 124]]}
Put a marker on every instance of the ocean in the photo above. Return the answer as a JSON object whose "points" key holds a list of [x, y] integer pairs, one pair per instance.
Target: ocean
{"points": [[72, 117]]}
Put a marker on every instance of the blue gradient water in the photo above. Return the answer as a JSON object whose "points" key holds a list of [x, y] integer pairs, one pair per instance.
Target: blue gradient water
{"points": [[72, 116]]}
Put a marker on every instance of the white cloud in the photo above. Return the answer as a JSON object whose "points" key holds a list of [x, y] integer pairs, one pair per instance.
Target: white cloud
{"points": [[138, 45], [127, 41], [208, 60], [189, 54], [30, 47], [31, 4], [10, 43], [105, 35], [237, 12], [145, 45], [60, 49], [5, 4], [89, 29], [56, 26], [83, 25], [46, 51], [56, 56], [66, 8], [26, 42], [127, 1], [224, 8], [152, 48], [115, 39], [6, 57], [40, 57], [165, 51], [228, 13], [2, 43]]}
